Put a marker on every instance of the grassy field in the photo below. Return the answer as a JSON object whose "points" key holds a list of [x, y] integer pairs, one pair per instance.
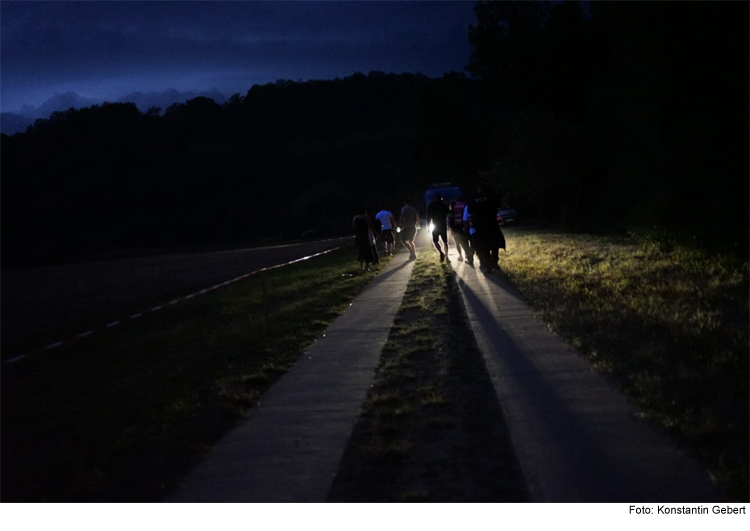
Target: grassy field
{"points": [[121, 416], [669, 324]]}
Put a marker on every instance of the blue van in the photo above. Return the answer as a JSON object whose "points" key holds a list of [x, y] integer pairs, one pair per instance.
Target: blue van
{"points": [[448, 192]]}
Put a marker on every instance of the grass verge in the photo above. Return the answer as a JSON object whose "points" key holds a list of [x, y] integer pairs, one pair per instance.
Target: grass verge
{"points": [[669, 324], [431, 428], [121, 417]]}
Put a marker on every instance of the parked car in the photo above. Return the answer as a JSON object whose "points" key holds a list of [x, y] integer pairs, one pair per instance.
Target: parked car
{"points": [[506, 215]]}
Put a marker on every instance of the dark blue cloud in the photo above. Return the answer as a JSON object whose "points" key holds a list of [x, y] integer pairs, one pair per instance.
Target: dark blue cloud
{"points": [[108, 49]]}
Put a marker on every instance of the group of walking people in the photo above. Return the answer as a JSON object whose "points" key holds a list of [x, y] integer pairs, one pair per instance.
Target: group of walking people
{"points": [[473, 225], [369, 230]]}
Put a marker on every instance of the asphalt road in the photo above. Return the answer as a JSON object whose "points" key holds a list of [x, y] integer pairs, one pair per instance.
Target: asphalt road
{"points": [[46, 299]]}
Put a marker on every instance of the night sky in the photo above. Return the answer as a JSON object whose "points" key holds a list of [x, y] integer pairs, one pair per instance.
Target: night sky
{"points": [[108, 50]]}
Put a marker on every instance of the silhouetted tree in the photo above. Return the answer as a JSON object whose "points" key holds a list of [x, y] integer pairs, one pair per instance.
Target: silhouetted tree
{"points": [[625, 119], [110, 176]]}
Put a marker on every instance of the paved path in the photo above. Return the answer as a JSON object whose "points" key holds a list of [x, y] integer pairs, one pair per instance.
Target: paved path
{"points": [[289, 448], [576, 438]]}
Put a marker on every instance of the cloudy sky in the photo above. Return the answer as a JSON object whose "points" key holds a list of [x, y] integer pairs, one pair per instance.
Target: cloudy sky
{"points": [[107, 49]]}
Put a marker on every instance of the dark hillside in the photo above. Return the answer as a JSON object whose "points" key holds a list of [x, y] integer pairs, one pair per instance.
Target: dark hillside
{"points": [[286, 157]]}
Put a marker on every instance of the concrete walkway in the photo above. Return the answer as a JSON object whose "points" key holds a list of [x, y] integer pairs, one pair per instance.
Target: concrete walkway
{"points": [[576, 438], [289, 448]]}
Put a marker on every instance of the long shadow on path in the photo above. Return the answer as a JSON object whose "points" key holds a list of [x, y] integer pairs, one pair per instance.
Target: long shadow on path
{"points": [[577, 439]]}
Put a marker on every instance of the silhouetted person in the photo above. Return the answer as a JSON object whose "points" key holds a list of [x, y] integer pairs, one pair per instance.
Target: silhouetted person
{"points": [[374, 235], [460, 236], [487, 238], [363, 238], [437, 215], [408, 224], [469, 229]]}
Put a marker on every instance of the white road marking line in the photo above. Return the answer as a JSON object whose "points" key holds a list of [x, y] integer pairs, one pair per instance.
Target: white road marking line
{"points": [[157, 308]]}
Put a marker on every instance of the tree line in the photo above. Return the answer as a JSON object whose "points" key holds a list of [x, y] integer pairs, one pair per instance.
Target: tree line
{"points": [[623, 116], [285, 158], [608, 116]]}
